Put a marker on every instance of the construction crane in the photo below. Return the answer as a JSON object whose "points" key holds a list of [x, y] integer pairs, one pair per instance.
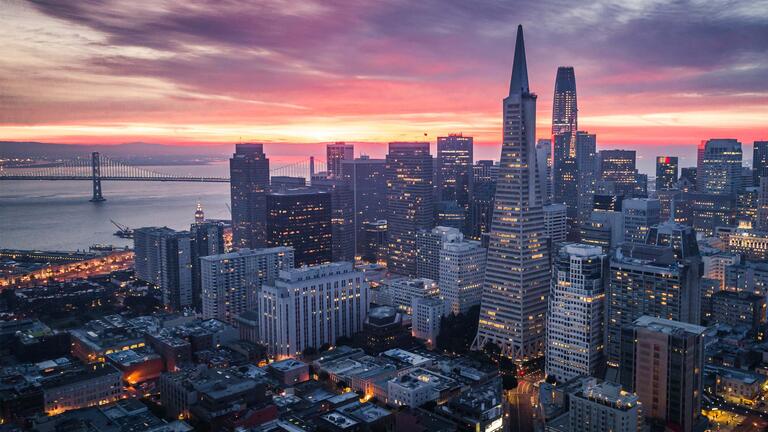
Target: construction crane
{"points": [[122, 230]]}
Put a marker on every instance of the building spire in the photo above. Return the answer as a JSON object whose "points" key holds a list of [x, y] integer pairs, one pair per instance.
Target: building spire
{"points": [[519, 82]]}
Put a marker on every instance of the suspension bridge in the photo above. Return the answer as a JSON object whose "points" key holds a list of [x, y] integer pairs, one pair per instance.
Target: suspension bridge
{"points": [[100, 168]]}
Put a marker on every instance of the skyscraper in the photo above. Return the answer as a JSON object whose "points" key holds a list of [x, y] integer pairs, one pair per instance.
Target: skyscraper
{"points": [[207, 239], [462, 268], [640, 214], [301, 218], [666, 172], [336, 154], [555, 222], [659, 279], [454, 169], [663, 362], [762, 205], [409, 202], [564, 107], [375, 250], [544, 167], [428, 247], [342, 215], [249, 181], [514, 301], [232, 281], [760, 160], [618, 172], [367, 178], [485, 175], [574, 174], [334, 299], [719, 171], [163, 257], [576, 316]]}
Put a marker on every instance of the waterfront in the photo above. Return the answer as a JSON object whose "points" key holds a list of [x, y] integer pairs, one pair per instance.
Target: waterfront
{"points": [[56, 215]]}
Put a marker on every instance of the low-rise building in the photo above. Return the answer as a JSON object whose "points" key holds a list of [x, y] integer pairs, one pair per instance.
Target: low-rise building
{"points": [[420, 386], [290, 371], [94, 384]]}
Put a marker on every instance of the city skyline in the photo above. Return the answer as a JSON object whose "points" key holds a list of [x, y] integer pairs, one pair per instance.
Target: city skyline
{"points": [[182, 74]]}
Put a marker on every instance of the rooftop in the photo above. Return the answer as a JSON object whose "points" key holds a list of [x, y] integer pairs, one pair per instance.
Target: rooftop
{"points": [[246, 252], [407, 357], [667, 326], [287, 365]]}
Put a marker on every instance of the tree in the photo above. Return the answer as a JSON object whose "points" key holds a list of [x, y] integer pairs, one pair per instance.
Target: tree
{"points": [[509, 382], [458, 331]]}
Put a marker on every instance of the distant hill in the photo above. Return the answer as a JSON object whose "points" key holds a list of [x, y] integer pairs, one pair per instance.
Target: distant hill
{"points": [[128, 150]]}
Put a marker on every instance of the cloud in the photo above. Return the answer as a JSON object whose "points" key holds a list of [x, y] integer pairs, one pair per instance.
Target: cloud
{"points": [[279, 61]]}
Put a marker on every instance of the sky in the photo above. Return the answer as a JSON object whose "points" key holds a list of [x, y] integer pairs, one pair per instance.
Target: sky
{"points": [[649, 73]]}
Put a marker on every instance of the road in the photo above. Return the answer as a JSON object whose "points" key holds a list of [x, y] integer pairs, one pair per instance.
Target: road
{"points": [[521, 411]]}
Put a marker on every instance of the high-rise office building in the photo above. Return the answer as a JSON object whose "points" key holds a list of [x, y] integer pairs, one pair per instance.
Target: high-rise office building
{"points": [[514, 302], [404, 290], [462, 269], [454, 169], [564, 106], [760, 160], [450, 214], [481, 208], [556, 222], [575, 316], [207, 239], [301, 218], [428, 247], [249, 182], [342, 216], [720, 169], [376, 245], [367, 178], [336, 154], [164, 257], [689, 173], [706, 211], [409, 202], [640, 214], [427, 312], [605, 226], [618, 172], [666, 172], [600, 407], [311, 306], [662, 361], [762, 205], [232, 281], [659, 279], [747, 205], [146, 249], [749, 277], [574, 174], [544, 167]]}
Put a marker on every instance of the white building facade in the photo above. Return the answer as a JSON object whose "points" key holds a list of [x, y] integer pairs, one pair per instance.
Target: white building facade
{"points": [[312, 306], [575, 340], [462, 269], [231, 282], [427, 313], [404, 290]]}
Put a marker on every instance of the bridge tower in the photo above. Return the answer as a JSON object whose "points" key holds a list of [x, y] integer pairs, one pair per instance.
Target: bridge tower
{"points": [[96, 177]]}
